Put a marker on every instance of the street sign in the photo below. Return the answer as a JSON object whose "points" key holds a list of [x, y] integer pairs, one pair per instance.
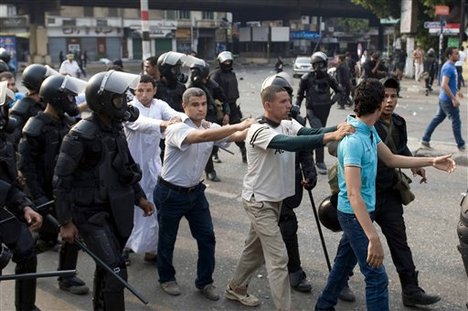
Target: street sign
{"points": [[442, 10], [433, 25], [449, 29]]}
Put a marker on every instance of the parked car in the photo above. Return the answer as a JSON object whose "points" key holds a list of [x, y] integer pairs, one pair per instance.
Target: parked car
{"points": [[301, 66]]}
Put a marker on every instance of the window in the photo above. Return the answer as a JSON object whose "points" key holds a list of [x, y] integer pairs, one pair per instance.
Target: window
{"points": [[88, 11], [113, 12], [170, 14], [207, 15], [183, 14], [69, 22]]}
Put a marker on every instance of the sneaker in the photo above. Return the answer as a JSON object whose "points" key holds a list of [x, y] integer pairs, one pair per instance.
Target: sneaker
{"points": [[246, 299], [425, 144], [347, 294], [462, 148], [126, 256], [209, 291], [73, 285], [171, 288], [216, 159], [321, 168]]}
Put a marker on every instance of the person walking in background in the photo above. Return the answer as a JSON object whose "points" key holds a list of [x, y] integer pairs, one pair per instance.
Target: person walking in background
{"points": [[449, 102], [70, 66], [418, 58], [459, 66], [61, 58], [430, 69]]}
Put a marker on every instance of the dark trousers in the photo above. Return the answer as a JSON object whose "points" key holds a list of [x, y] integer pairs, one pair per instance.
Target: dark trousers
{"points": [[318, 118], [234, 118], [389, 216], [288, 227], [172, 206]]}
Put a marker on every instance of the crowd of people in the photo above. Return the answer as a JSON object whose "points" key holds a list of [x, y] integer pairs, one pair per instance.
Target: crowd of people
{"points": [[121, 179]]}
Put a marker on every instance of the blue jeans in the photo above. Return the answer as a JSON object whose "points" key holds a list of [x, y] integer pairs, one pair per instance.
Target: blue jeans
{"points": [[351, 250], [446, 109], [172, 205]]}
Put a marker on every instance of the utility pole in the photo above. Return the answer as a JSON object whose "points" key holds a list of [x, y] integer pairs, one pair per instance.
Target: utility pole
{"points": [[145, 42]]}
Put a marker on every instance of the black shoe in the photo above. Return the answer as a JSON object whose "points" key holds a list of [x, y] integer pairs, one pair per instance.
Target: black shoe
{"points": [[213, 177], [419, 298], [73, 285], [347, 294], [303, 286]]}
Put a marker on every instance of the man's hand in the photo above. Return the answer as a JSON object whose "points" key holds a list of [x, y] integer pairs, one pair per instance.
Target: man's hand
{"points": [[343, 129], [421, 172], [456, 102], [146, 206], [444, 163], [33, 219], [375, 253], [69, 232], [309, 184], [206, 124], [247, 123]]}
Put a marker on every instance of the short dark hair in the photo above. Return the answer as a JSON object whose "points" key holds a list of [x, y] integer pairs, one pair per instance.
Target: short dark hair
{"points": [[268, 94], [147, 79], [369, 96], [192, 92], [449, 51], [153, 60]]}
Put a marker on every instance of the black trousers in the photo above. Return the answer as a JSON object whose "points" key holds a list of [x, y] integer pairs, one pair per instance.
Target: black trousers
{"points": [[318, 118], [288, 227], [389, 216]]}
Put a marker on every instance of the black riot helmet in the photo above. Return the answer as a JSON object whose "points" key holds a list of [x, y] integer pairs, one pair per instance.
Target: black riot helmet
{"points": [[169, 65], [3, 66], [106, 93], [280, 79], [7, 96], [328, 214], [34, 74], [225, 60], [199, 69], [319, 61], [60, 92], [5, 55]]}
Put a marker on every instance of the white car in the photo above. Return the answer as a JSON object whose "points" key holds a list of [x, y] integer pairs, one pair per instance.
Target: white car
{"points": [[301, 66]]}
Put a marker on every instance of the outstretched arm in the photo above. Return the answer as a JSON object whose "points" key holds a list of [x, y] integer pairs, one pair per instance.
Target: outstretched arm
{"points": [[215, 134]]}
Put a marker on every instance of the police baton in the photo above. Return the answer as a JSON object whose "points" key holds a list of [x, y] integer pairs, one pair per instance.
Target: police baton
{"points": [[24, 276], [319, 227], [99, 262]]}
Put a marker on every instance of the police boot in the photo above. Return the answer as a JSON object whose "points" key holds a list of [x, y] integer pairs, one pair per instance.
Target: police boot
{"points": [[25, 290], [414, 295], [299, 281], [68, 258]]}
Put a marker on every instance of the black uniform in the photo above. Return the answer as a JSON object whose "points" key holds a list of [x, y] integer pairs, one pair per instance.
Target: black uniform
{"points": [[344, 78], [288, 219], [39, 148], [389, 209], [227, 80], [171, 93], [96, 186], [315, 88], [22, 110], [13, 231]]}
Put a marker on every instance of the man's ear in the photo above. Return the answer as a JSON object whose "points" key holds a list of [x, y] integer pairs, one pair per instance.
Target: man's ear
{"points": [[155, 90]]}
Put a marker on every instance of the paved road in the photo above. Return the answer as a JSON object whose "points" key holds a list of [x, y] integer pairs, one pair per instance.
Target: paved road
{"points": [[431, 224]]}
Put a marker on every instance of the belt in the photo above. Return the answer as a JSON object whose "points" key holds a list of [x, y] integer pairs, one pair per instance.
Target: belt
{"points": [[178, 188]]}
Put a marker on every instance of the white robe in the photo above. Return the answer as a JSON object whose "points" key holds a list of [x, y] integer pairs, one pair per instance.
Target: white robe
{"points": [[143, 137]]}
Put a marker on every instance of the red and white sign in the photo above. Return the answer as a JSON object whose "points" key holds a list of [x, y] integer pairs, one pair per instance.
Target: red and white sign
{"points": [[449, 29], [442, 10]]}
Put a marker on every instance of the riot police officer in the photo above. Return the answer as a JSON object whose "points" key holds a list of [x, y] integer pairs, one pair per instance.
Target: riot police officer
{"points": [[170, 87], [5, 57], [31, 104], [315, 88], [227, 80], [218, 109], [38, 149], [96, 183], [16, 214]]}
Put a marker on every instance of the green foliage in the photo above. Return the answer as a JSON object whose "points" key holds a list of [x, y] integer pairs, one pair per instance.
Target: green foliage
{"points": [[351, 25], [382, 8]]}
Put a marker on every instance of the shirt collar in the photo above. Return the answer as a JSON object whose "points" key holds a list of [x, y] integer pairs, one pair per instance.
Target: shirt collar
{"points": [[360, 126]]}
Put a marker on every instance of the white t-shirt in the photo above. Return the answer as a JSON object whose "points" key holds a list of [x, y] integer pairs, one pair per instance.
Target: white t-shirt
{"points": [[270, 172], [461, 59], [184, 163], [70, 68]]}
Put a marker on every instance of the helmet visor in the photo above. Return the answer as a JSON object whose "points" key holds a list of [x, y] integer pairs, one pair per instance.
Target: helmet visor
{"points": [[73, 85], [50, 71], [172, 58], [6, 95], [118, 82], [225, 56]]}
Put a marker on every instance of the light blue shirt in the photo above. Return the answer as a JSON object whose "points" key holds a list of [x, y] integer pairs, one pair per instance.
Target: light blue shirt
{"points": [[359, 150], [449, 70]]}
